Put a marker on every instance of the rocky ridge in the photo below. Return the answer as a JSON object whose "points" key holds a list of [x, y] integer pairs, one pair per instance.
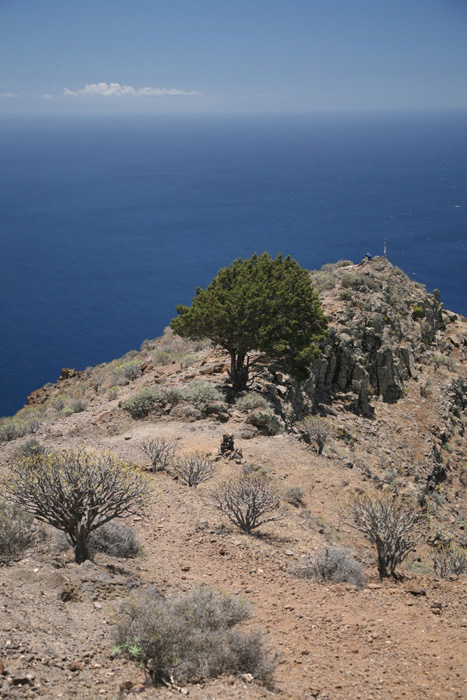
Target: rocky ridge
{"points": [[392, 382]]}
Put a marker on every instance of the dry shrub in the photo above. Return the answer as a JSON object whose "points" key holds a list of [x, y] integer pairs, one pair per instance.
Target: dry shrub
{"points": [[160, 451], [76, 492], [334, 564], [449, 560], [191, 637], [315, 430], [16, 532], [116, 540], [395, 527], [295, 495], [194, 468], [248, 501]]}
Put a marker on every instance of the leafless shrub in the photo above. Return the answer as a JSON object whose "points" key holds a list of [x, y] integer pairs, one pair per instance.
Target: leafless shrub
{"points": [[194, 468], [76, 492], [191, 637], [392, 525], [116, 540], [160, 452], [315, 430], [334, 564], [248, 501], [449, 560], [16, 532]]}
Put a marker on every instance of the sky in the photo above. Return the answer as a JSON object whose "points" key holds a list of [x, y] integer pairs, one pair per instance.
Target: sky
{"points": [[231, 56]]}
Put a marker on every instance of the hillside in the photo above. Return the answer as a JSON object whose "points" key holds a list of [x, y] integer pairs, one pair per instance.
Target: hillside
{"points": [[391, 384]]}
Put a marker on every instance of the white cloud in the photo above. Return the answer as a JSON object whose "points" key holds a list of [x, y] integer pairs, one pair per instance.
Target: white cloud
{"points": [[7, 94], [117, 90]]}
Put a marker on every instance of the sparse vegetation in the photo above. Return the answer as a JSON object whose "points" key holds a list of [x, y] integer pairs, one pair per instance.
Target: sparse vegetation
{"points": [[160, 451], [191, 637], [76, 492], [16, 532], [144, 402], [315, 430], [194, 468], [393, 526], [418, 312], [295, 495], [29, 448], [248, 501], [334, 564]]}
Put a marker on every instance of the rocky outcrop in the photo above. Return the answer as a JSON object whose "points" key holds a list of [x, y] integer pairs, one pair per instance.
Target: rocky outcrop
{"points": [[375, 340]]}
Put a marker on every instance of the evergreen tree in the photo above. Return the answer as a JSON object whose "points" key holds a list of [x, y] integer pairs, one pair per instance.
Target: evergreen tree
{"points": [[258, 304]]}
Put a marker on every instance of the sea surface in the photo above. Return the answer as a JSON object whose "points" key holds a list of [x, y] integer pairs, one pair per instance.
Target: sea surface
{"points": [[108, 224]]}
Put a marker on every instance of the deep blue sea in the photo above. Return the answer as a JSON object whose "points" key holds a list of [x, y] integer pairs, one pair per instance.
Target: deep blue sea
{"points": [[108, 224]]}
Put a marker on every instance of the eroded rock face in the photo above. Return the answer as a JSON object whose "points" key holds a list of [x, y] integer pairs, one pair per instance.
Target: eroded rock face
{"points": [[374, 340]]}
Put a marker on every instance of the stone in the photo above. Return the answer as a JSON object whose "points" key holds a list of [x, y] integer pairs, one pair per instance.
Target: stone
{"points": [[76, 666], [263, 419]]}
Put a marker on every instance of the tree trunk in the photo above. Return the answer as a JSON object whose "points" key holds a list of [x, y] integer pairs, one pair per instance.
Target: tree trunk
{"points": [[82, 552], [238, 371]]}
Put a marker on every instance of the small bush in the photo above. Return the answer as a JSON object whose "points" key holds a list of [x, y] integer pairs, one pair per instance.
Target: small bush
{"points": [[354, 281], [129, 370], [294, 495], [448, 561], [160, 451], [78, 405], [252, 400], [346, 295], [248, 501], [200, 393], [16, 532], [141, 403], [337, 265], [194, 468], [11, 428], [116, 540], [29, 448], [418, 312], [315, 430], [59, 402], [334, 564], [191, 637]]}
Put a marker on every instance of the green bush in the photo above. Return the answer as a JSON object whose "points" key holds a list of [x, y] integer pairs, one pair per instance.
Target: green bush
{"points": [[201, 393], [29, 448], [191, 637], [129, 370], [12, 428], [143, 402], [252, 400], [418, 312]]}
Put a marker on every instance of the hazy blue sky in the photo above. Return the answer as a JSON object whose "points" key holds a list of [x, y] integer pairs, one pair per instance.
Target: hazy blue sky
{"points": [[152, 56]]}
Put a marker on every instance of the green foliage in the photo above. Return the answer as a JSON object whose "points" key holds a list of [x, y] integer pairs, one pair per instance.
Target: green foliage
{"points": [[418, 312], [143, 402], [201, 393], [191, 637], [252, 400], [258, 304]]}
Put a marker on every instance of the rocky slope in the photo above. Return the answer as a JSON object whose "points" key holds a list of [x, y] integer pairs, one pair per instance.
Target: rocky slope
{"points": [[392, 382]]}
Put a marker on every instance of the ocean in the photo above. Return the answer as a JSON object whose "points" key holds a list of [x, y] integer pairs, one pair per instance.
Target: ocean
{"points": [[108, 223]]}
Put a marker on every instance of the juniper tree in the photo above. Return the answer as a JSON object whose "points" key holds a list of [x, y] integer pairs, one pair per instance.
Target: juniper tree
{"points": [[258, 304]]}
